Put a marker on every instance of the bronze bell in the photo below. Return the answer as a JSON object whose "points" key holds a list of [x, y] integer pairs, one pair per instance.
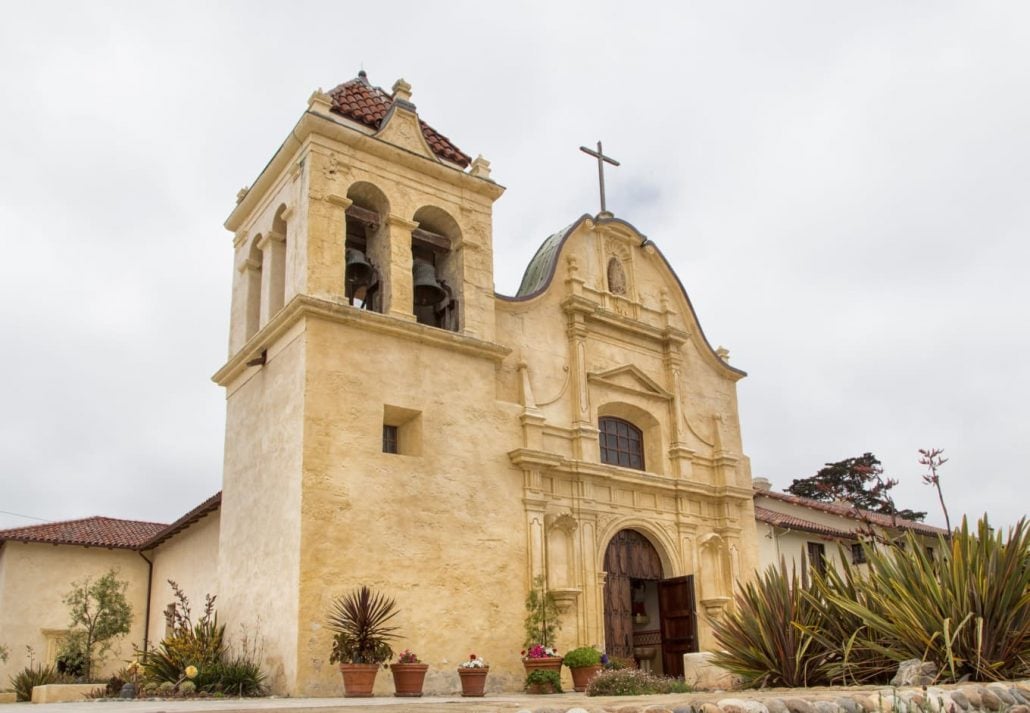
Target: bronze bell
{"points": [[427, 289], [358, 272]]}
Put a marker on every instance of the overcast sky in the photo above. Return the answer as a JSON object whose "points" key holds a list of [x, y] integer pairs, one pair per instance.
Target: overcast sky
{"points": [[842, 187]]}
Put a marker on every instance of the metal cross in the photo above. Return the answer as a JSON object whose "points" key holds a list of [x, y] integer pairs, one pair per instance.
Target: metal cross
{"points": [[601, 158]]}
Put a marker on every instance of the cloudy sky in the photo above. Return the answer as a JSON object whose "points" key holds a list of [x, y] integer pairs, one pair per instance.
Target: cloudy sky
{"points": [[842, 187]]}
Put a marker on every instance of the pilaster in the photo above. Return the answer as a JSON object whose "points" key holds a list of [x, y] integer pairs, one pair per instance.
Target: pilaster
{"points": [[398, 300]]}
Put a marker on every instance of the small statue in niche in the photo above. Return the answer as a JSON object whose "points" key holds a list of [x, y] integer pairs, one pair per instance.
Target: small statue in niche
{"points": [[616, 277]]}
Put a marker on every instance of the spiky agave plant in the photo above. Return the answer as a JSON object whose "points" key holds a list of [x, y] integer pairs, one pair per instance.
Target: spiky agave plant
{"points": [[359, 623]]}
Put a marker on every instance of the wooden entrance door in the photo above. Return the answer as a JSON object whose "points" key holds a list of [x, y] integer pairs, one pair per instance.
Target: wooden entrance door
{"points": [[678, 622], [629, 556]]}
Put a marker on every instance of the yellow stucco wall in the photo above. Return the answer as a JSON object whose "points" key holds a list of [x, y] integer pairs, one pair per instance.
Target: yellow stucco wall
{"points": [[259, 533], [190, 559], [34, 578]]}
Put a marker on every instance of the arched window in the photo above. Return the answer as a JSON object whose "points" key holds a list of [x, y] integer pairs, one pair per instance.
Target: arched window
{"points": [[622, 443]]}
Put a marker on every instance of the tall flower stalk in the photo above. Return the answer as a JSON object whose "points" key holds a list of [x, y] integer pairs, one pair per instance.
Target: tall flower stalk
{"points": [[931, 458]]}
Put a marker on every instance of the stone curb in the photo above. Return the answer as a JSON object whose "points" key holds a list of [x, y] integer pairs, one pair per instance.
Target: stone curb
{"points": [[1011, 697]]}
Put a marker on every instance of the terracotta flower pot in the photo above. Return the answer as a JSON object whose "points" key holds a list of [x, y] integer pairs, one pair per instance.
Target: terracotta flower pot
{"points": [[408, 678], [473, 681], [581, 676], [547, 663], [358, 679]]}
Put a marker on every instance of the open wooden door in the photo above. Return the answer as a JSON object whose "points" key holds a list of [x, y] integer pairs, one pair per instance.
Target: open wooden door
{"points": [[678, 622], [629, 555]]}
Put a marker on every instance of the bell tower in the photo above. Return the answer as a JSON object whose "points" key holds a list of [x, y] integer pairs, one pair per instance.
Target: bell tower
{"points": [[362, 301]]}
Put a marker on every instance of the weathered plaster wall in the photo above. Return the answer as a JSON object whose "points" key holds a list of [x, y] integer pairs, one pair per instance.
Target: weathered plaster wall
{"points": [[190, 558], [34, 580], [439, 528], [259, 538]]}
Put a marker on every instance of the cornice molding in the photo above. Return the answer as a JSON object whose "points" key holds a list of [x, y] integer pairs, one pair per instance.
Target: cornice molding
{"points": [[307, 307]]}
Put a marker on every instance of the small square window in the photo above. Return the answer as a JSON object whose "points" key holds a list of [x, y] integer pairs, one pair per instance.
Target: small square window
{"points": [[390, 439], [857, 553]]}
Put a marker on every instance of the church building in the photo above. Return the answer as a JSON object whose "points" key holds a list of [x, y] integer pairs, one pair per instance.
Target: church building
{"points": [[392, 421]]}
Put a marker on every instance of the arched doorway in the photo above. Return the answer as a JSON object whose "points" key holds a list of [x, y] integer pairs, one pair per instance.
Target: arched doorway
{"points": [[647, 617]]}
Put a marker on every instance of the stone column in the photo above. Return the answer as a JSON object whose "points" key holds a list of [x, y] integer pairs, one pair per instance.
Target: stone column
{"points": [[398, 300], [273, 274]]}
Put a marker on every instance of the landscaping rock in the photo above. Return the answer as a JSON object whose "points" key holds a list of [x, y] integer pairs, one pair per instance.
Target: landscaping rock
{"points": [[1019, 708], [710, 708], [991, 701], [914, 672], [1002, 692], [796, 705], [869, 704], [960, 700], [848, 705], [776, 705], [973, 696], [732, 705], [685, 708]]}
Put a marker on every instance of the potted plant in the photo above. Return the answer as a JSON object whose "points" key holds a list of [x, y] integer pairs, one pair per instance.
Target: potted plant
{"points": [[473, 676], [409, 674], [541, 628], [584, 663], [543, 681], [361, 637]]}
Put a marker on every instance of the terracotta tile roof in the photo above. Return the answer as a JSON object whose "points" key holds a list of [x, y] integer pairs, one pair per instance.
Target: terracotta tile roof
{"points": [[780, 519], [208, 506], [88, 532], [853, 513], [368, 105]]}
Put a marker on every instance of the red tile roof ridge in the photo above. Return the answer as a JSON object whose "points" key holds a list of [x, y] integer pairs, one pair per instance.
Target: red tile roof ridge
{"points": [[780, 519], [208, 506], [96, 531], [360, 101], [851, 512]]}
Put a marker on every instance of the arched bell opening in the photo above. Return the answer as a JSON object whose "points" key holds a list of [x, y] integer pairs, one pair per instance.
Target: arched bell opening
{"points": [[366, 247], [649, 616], [436, 269]]}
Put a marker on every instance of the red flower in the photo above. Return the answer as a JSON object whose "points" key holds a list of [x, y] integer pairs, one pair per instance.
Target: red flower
{"points": [[472, 657]]}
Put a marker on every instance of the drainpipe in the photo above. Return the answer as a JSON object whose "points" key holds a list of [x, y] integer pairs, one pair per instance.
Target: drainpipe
{"points": [[146, 620]]}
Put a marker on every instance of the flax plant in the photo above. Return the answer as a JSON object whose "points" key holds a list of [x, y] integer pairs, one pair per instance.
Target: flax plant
{"points": [[967, 610], [767, 638]]}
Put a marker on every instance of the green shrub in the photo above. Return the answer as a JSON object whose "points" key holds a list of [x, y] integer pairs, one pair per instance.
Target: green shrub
{"points": [[239, 675], [34, 675], [767, 638], [632, 682], [544, 678], [150, 688], [166, 688], [187, 688], [583, 656], [966, 609], [200, 644]]}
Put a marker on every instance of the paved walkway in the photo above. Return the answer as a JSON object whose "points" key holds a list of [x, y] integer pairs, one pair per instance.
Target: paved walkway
{"points": [[503, 703]]}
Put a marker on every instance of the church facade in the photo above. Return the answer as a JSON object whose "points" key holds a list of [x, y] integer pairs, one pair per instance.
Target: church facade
{"points": [[392, 421]]}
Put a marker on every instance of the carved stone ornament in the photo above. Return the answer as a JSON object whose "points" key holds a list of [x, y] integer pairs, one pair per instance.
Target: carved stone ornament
{"points": [[564, 522], [616, 276]]}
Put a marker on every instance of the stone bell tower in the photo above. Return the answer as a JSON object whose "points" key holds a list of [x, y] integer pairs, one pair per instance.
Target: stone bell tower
{"points": [[362, 303]]}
